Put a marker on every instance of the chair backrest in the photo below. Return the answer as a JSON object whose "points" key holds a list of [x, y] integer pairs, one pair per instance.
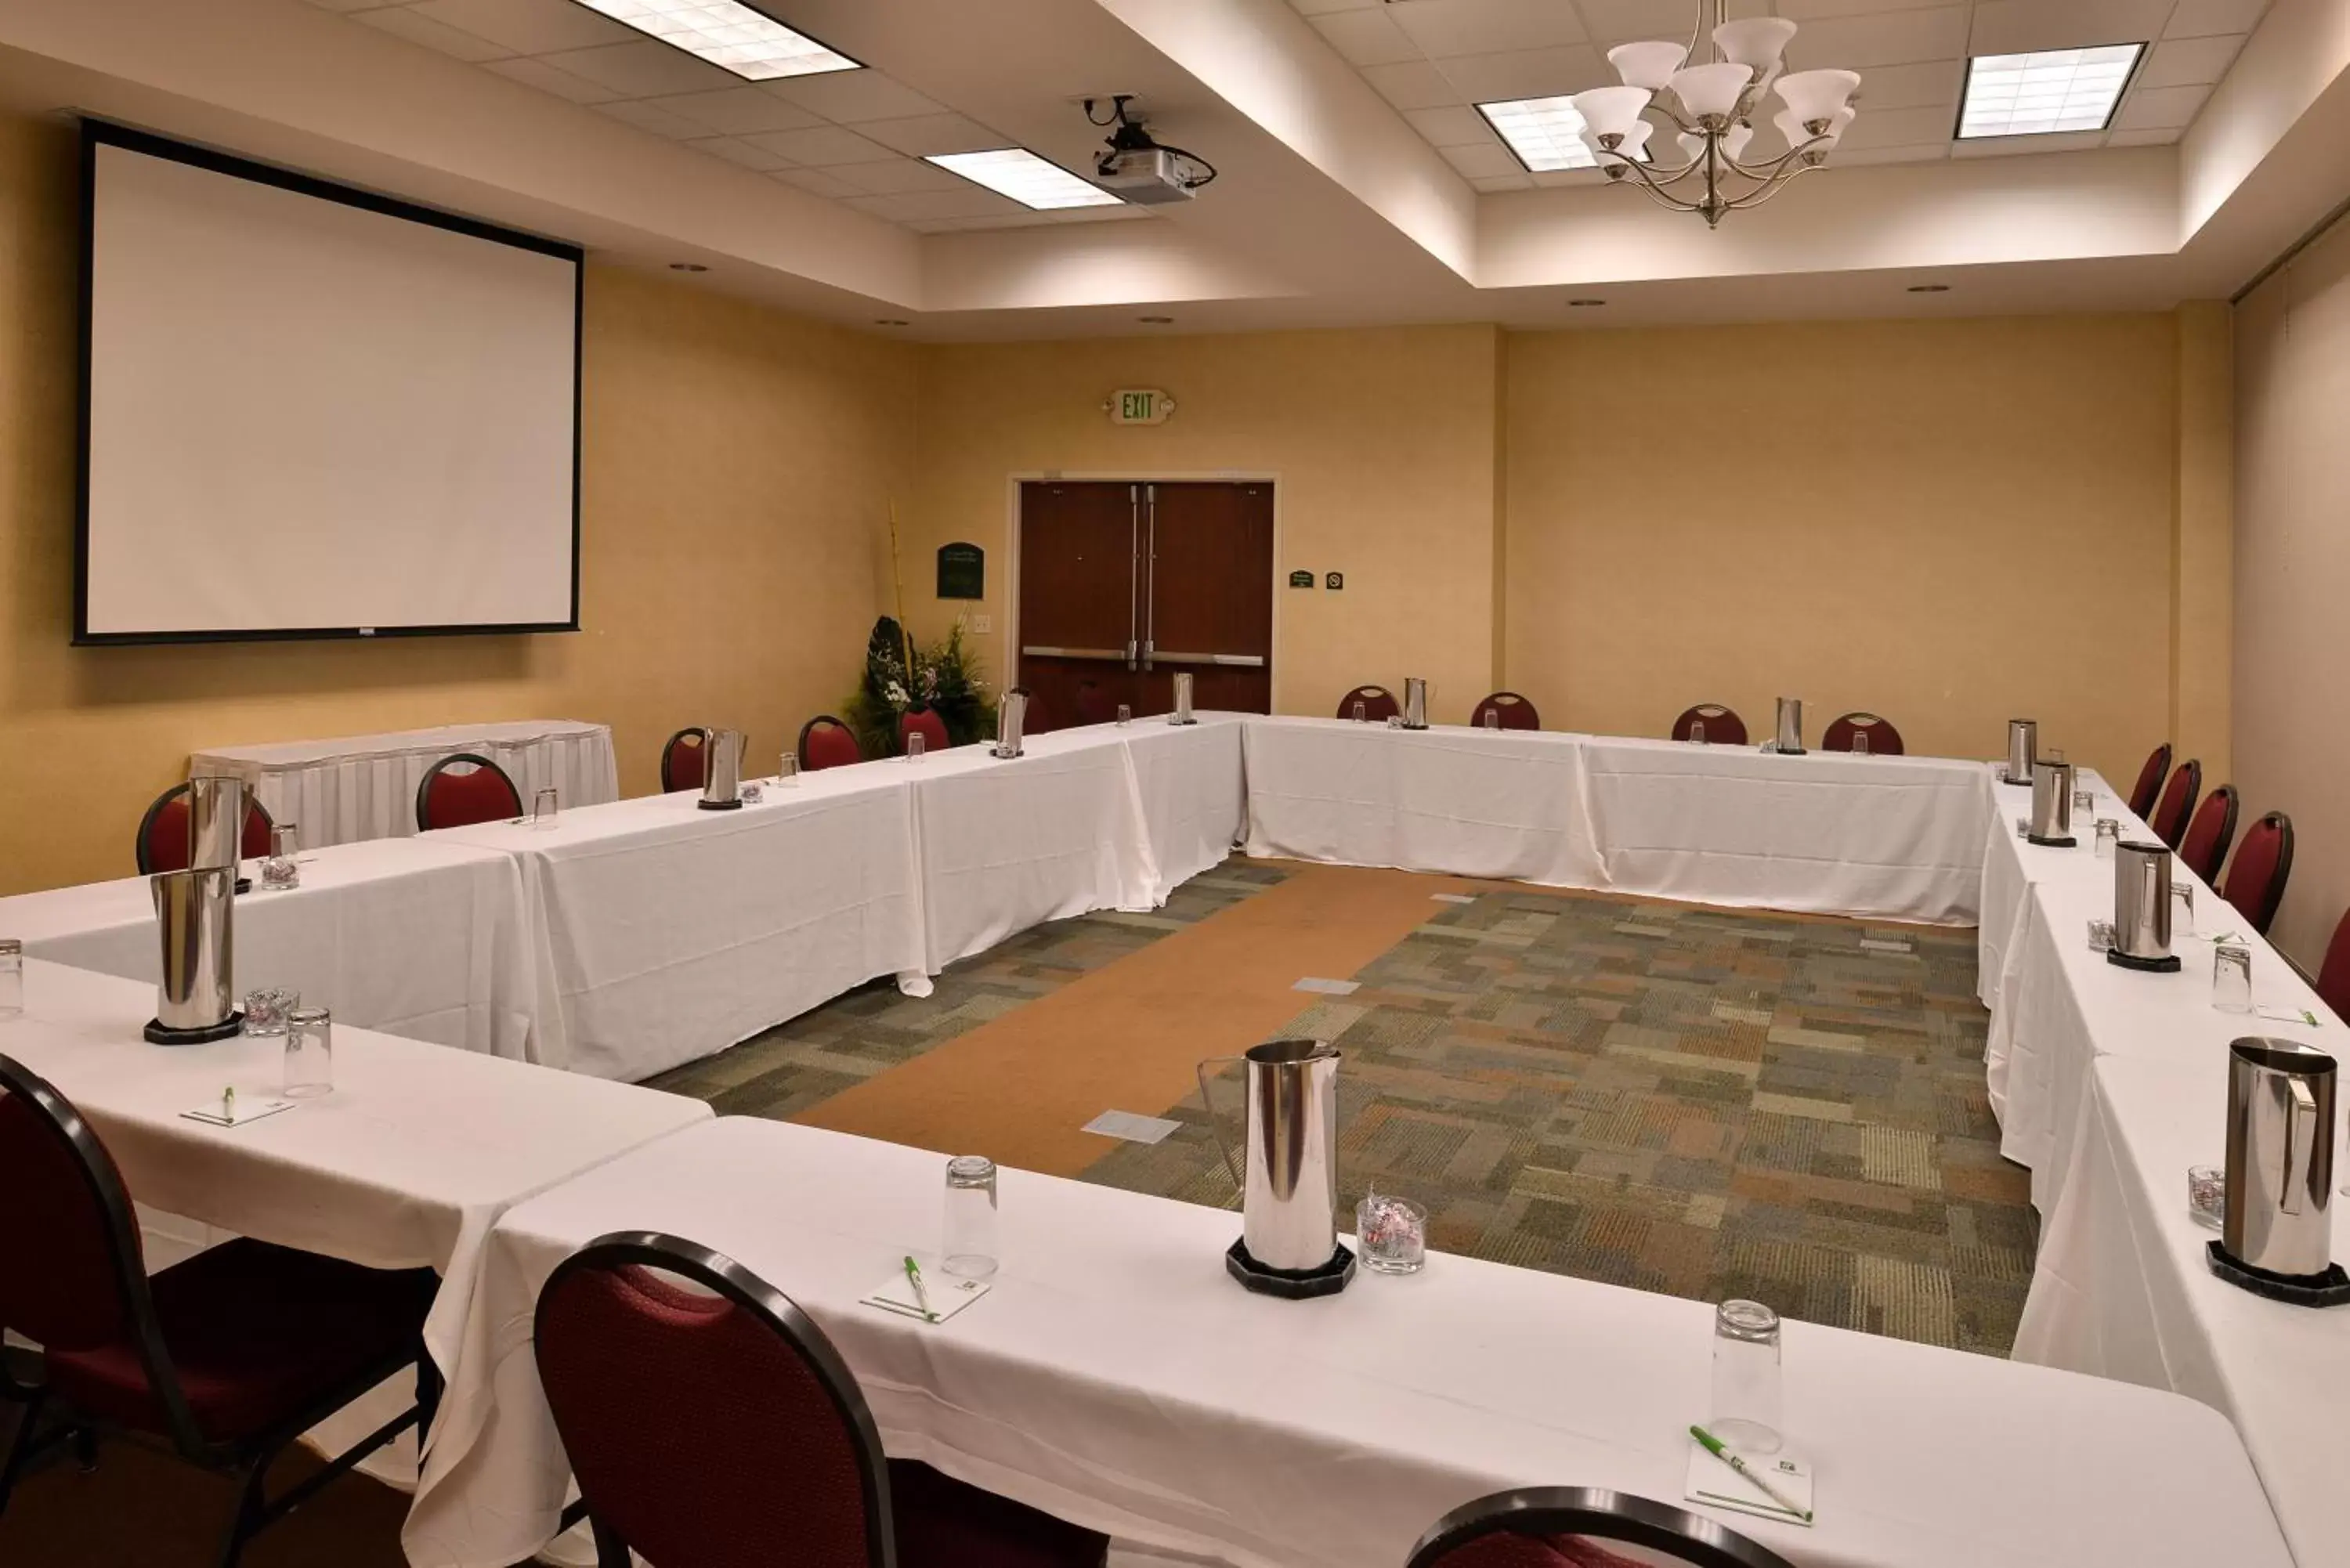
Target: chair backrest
{"points": [[2178, 802], [77, 1279], [1035, 719], [710, 1422], [2149, 782], [1516, 1529], [164, 833], [2255, 884], [480, 791], [827, 743], [2209, 833], [2334, 974], [684, 758], [1379, 704], [1516, 712], [927, 724], [1723, 727], [1093, 706], [1843, 735]]}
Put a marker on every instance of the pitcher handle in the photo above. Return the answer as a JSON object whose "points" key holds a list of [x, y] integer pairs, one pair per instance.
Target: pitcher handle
{"points": [[2300, 1143], [1208, 1102]]}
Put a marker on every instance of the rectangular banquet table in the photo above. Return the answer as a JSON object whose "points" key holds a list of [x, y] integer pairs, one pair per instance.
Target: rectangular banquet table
{"points": [[409, 937], [1192, 791], [1116, 1377], [364, 786]]}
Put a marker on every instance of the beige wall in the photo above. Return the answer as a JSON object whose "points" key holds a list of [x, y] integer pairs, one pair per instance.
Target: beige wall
{"points": [[2293, 557], [737, 464]]}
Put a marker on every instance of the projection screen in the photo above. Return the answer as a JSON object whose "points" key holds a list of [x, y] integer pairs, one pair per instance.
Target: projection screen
{"points": [[308, 410]]}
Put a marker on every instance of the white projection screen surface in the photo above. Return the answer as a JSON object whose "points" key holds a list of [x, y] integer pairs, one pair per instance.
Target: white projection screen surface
{"points": [[315, 412]]}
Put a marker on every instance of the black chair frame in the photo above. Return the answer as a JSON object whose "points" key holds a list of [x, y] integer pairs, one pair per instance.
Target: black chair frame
{"points": [[247, 1459], [1551, 1511], [799, 747], [699, 737], [780, 1315], [424, 784], [2275, 894], [147, 822]]}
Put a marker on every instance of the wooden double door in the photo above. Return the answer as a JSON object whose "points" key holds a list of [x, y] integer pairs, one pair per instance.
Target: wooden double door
{"points": [[1124, 586]]}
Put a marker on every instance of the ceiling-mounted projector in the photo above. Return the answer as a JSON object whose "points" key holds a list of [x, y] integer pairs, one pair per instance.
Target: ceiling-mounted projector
{"points": [[1144, 171]]}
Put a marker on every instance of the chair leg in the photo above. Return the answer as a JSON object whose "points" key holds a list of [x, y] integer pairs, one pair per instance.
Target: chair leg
{"points": [[248, 1512], [20, 1448], [611, 1552]]}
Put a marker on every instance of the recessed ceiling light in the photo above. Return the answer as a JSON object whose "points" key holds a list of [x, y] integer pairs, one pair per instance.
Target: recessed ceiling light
{"points": [[750, 43], [1930, 288], [687, 266], [2046, 92], [1017, 173], [1156, 320], [1584, 303], [1545, 133]]}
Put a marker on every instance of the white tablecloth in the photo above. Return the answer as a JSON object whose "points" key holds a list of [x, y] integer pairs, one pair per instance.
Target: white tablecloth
{"points": [[1193, 792], [2122, 1289], [409, 937], [1116, 1377], [364, 786]]}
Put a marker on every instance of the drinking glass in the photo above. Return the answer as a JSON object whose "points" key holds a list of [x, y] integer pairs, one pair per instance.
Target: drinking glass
{"points": [[1362, 715], [2207, 1194], [788, 770], [2101, 936], [2232, 978], [916, 744], [1697, 731], [2109, 833], [1746, 1376], [1860, 742], [2084, 801], [309, 1053], [1393, 1232], [1125, 713], [1493, 720], [12, 977], [543, 807], [279, 873], [266, 1009], [969, 1249], [2182, 919]]}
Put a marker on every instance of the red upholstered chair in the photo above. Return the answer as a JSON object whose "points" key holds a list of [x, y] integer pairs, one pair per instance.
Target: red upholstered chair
{"points": [[164, 833], [2178, 802], [927, 724], [1516, 712], [2209, 833], [827, 743], [1845, 734], [684, 760], [1564, 1527], [462, 789], [1379, 704], [711, 1424], [1093, 706], [2255, 884], [2334, 974], [2149, 782], [227, 1359], [1723, 727]]}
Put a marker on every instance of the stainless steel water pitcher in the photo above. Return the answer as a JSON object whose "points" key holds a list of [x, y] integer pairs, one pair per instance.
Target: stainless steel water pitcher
{"points": [[1415, 703], [2142, 907], [216, 807], [2051, 805], [1289, 1187], [196, 913], [2022, 750], [1009, 715], [1791, 726], [722, 770], [2278, 1217], [1182, 698]]}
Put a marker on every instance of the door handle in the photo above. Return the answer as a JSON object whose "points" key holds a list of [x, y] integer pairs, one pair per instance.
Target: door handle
{"points": [[1031, 652], [1227, 660]]}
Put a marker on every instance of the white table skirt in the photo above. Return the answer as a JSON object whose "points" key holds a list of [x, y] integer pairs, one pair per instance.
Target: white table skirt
{"points": [[364, 786], [429, 940], [1116, 1377], [1193, 792], [2122, 1290]]}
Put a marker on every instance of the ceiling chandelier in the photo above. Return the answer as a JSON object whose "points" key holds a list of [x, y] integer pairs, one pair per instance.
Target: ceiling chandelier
{"points": [[1712, 106]]}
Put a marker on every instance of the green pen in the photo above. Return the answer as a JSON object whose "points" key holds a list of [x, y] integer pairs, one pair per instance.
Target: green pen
{"points": [[914, 1272], [1714, 1446]]}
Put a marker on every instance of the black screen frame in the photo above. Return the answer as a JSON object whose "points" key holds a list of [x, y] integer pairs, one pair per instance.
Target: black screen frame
{"points": [[96, 133]]}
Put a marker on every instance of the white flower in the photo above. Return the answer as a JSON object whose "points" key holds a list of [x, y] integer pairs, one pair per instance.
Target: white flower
{"points": [[895, 694]]}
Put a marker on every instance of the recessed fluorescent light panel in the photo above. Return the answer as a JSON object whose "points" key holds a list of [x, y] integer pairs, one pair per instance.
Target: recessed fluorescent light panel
{"points": [[1546, 133], [2045, 92], [749, 43], [1017, 173]]}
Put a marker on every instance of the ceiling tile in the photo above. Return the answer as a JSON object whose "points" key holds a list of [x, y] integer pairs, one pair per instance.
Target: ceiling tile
{"points": [[1451, 127], [1620, 21], [1366, 38], [547, 79], [1415, 83], [1898, 128], [1820, 10], [818, 183], [660, 121], [970, 202], [1553, 177], [738, 112], [643, 69], [850, 97], [1443, 27], [2183, 62], [740, 153], [1937, 82], [348, 5], [1527, 73], [898, 176], [1315, 8], [2017, 146], [1894, 38], [2153, 108], [927, 133], [1916, 152], [822, 146], [2204, 18], [402, 23], [1483, 162], [1502, 183], [2159, 137], [2014, 26], [528, 26]]}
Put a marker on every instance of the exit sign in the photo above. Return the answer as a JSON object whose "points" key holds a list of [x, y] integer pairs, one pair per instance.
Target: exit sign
{"points": [[1139, 406]]}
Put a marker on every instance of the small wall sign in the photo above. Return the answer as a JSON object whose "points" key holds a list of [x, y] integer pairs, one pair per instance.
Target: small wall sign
{"points": [[1334, 581], [962, 571], [1301, 579], [1139, 406]]}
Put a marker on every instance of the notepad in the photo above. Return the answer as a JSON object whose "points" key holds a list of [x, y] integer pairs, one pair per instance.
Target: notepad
{"points": [[246, 1110], [949, 1296], [1715, 1484]]}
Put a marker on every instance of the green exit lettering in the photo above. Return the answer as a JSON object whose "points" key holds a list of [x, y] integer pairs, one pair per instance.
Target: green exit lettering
{"points": [[1136, 407]]}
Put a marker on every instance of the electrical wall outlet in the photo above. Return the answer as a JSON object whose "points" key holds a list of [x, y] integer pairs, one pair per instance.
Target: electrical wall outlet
{"points": [[981, 625]]}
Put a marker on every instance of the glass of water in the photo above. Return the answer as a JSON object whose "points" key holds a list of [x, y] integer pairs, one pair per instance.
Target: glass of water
{"points": [[788, 770], [2183, 918], [1125, 713], [1746, 1394], [2108, 834], [1393, 1234], [970, 1231], [2232, 978], [279, 872], [2084, 801], [543, 808], [309, 1053], [11, 977], [266, 1009], [1860, 742], [1493, 720], [1697, 731], [1362, 713], [916, 744]]}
